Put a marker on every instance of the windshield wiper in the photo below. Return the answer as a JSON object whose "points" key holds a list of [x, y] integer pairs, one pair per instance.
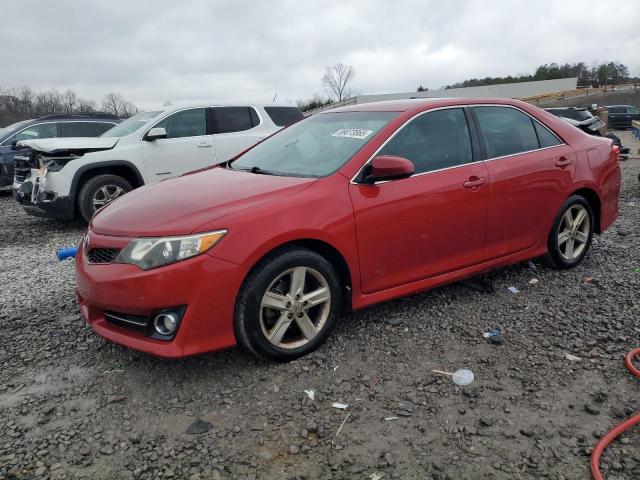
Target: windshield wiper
{"points": [[256, 169]]}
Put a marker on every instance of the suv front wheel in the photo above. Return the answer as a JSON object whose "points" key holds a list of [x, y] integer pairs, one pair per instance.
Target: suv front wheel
{"points": [[99, 191]]}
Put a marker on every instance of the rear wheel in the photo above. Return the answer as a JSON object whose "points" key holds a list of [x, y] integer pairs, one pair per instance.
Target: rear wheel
{"points": [[571, 234], [288, 305], [98, 192]]}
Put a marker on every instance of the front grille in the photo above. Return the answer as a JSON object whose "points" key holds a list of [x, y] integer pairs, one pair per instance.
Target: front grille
{"points": [[102, 255], [126, 320]]}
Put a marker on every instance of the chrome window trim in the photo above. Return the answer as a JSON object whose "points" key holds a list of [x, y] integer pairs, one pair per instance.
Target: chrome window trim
{"points": [[353, 182]]}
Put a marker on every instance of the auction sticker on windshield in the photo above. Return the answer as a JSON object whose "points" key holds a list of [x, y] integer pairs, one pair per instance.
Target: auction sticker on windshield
{"points": [[353, 133]]}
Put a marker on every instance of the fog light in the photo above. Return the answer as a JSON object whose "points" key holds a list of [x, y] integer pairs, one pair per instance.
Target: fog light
{"points": [[165, 323]]}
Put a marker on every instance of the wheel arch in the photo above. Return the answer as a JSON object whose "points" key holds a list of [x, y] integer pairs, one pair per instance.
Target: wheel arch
{"points": [[591, 196], [122, 168], [321, 247]]}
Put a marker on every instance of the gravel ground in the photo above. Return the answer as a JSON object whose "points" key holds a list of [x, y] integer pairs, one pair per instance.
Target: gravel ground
{"points": [[73, 405]]}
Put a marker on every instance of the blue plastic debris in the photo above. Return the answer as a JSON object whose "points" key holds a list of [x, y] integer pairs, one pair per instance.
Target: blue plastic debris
{"points": [[494, 336], [64, 253]]}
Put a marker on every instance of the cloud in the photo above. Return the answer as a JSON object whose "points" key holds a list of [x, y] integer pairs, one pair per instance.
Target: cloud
{"points": [[189, 51]]}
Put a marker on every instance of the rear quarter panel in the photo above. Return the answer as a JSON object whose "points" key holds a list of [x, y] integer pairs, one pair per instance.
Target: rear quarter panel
{"points": [[599, 170]]}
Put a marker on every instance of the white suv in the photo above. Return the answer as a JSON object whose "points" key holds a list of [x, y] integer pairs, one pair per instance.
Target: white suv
{"points": [[68, 176]]}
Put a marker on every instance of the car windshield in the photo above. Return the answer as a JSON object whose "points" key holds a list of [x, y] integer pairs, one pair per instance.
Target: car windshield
{"points": [[6, 131], [130, 125], [316, 146]]}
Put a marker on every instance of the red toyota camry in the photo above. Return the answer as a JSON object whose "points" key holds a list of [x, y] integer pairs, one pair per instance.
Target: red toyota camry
{"points": [[342, 210]]}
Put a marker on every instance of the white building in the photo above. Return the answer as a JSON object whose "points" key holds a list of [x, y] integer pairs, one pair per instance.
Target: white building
{"points": [[501, 90]]}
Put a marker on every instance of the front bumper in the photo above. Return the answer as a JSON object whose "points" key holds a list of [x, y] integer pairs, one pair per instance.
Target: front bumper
{"points": [[43, 204], [206, 285]]}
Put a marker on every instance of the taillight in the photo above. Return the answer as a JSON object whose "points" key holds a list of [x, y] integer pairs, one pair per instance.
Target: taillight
{"points": [[615, 149]]}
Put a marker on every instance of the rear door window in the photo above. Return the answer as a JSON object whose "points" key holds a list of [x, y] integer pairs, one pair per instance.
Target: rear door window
{"points": [[545, 137], [433, 141], [83, 129], [233, 119], [633, 110], [505, 131], [100, 127], [284, 116]]}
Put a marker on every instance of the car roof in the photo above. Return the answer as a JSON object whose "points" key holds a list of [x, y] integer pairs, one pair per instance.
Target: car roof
{"points": [[418, 104], [95, 116], [171, 108]]}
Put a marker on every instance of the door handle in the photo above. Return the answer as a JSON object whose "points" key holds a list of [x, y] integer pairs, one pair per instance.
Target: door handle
{"points": [[474, 182], [205, 145], [563, 162]]}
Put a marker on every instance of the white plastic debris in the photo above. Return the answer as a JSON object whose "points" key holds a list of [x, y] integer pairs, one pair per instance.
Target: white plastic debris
{"points": [[461, 377], [311, 394], [375, 476], [341, 406], [336, 367], [514, 290], [533, 281], [531, 265], [572, 358], [390, 419]]}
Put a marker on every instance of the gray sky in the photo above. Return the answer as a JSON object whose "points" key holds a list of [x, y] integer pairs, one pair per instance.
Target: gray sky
{"points": [[192, 50]]}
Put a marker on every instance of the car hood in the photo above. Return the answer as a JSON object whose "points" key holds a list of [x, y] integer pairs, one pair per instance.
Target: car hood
{"points": [[86, 144], [180, 205]]}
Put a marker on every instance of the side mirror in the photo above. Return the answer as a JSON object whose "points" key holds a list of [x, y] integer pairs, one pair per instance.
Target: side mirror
{"points": [[388, 167], [13, 144], [155, 134]]}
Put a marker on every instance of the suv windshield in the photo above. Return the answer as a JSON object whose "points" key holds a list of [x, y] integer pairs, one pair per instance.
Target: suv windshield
{"points": [[130, 125], [315, 147]]}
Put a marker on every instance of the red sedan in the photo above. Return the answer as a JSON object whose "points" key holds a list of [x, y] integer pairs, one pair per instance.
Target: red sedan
{"points": [[344, 209]]}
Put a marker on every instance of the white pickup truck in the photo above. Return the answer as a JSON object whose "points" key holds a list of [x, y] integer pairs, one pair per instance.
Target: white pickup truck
{"points": [[66, 177]]}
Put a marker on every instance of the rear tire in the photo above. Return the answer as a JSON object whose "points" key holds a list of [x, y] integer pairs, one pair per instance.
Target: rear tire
{"points": [[571, 234], [99, 191], [288, 305]]}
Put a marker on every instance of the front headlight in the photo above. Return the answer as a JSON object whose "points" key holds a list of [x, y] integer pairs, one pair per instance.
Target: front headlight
{"points": [[149, 253]]}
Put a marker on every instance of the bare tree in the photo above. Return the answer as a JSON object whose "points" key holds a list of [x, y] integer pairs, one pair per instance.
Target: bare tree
{"points": [[115, 103], [49, 102], [86, 106], [337, 77], [70, 99]]}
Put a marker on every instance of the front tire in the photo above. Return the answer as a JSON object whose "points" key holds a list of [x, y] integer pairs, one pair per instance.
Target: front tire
{"points": [[288, 305], [571, 234], [99, 191]]}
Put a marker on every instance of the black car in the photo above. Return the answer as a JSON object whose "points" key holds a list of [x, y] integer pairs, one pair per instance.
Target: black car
{"points": [[579, 117], [50, 126], [621, 116], [583, 119]]}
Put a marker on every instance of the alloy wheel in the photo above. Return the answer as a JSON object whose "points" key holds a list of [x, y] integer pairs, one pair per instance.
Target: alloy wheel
{"points": [[106, 194], [295, 307], [573, 232]]}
